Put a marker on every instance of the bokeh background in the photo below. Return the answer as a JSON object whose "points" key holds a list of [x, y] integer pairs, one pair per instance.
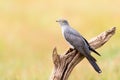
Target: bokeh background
{"points": [[28, 34]]}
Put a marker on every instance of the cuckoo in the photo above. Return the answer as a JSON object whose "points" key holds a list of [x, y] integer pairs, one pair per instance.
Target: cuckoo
{"points": [[78, 42]]}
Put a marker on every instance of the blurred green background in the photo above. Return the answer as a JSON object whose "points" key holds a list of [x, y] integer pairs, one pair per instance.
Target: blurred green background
{"points": [[28, 34]]}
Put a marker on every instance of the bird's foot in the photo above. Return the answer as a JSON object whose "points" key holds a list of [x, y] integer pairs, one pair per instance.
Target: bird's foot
{"points": [[70, 50]]}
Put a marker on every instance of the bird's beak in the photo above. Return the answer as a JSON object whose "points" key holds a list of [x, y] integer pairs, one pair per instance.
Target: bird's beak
{"points": [[57, 20]]}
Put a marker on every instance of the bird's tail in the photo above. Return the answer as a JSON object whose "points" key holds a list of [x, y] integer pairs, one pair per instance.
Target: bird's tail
{"points": [[94, 64]]}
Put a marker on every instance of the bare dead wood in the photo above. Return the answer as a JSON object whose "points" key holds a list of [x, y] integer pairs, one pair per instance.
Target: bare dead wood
{"points": [[64, 64]]}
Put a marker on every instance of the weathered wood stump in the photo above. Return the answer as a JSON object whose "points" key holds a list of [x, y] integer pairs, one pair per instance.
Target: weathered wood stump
{"points": [[64, 64]]}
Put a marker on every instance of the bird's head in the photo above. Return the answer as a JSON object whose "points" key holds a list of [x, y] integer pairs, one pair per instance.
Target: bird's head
{"points": [[62, 22]]}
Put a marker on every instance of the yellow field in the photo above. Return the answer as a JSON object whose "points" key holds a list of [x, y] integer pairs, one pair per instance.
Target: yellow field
{"points": [[28, 34]]}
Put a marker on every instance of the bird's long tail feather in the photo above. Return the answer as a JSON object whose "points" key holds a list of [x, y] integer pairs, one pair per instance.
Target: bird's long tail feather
{"points": [[94, 64]]}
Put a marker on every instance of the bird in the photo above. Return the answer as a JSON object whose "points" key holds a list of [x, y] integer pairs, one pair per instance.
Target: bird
{"points": [[78, 42]]}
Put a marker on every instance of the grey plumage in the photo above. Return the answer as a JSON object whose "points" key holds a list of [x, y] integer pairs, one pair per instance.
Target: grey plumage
{"points": [[91, 47], [78, 42]]}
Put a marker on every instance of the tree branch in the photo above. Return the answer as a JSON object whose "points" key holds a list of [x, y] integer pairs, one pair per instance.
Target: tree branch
{"points": [[64, 64]]}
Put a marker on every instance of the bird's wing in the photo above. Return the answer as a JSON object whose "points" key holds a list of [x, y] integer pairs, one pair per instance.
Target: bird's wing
{"points": [[78, 43], [93, 50]]}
